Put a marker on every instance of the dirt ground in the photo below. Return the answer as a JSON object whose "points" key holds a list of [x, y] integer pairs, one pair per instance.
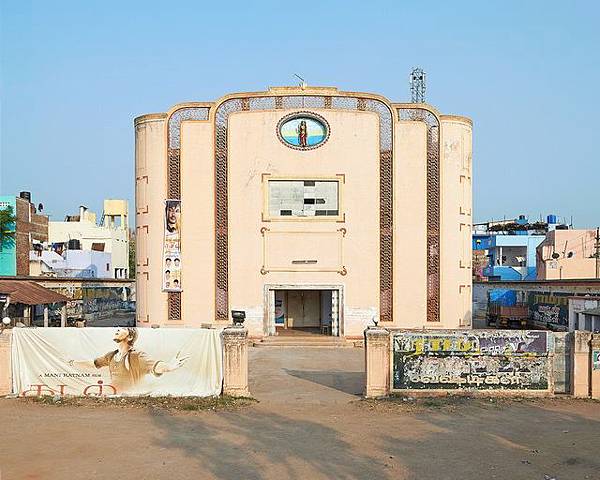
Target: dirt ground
{"points": [[309, 423]]}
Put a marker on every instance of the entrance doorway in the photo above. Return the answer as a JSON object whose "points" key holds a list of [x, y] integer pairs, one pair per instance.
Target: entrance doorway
{"points": [[303, 311]]}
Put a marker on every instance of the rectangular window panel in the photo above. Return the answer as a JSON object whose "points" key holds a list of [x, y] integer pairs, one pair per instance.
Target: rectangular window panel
{"points": [[303, 198]]}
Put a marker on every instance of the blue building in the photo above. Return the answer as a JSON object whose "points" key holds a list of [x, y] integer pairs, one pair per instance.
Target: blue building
{"points": [[509, 247], [8, 249]]}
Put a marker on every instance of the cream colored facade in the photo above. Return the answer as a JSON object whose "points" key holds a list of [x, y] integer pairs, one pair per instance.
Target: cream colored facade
{"points": [[396, 166], [112, 233], [567, 254]]}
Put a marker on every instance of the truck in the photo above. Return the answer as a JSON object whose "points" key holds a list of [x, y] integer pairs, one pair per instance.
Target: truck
{"points": [[504, 316]]}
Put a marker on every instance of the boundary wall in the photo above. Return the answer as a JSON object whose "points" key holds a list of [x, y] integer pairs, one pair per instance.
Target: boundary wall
{"points": [[491, 362], [235, 362]]}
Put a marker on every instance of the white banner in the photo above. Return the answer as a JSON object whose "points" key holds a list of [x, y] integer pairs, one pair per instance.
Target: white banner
{"points": [[116, 361]]}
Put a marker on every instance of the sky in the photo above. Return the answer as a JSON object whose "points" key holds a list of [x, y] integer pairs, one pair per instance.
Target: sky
{"points": [[74, 74]]}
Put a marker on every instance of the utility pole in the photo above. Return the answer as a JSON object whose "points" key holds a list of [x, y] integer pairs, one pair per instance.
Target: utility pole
{"points": [[597, 254]]}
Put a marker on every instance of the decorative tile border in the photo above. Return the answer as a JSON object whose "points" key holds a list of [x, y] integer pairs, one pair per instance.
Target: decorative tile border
{"points": [[270, 102], [300, 102]]}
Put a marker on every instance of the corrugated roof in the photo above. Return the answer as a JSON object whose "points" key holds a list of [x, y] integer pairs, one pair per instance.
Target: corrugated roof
{"points": [[592, 311], [29, 293]]}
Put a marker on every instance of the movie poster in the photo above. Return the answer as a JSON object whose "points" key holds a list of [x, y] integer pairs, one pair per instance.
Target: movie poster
{"points": [[101, 361], [171, 270]]}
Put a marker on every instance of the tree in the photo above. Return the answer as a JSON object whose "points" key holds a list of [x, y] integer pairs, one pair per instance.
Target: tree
{"points": [[7, 227]]}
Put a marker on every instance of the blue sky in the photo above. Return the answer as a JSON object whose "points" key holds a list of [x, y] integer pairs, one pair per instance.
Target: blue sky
{"points": [[74, 74]]}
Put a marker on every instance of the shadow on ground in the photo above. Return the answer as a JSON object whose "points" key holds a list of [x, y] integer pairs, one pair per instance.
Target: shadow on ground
{"points": [[347, 382], [245, 446], [516, 441]]}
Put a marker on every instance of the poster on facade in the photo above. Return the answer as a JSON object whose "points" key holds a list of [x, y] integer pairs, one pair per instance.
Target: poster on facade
{"points": [[171, 270], [512, 360], [116, 361]]}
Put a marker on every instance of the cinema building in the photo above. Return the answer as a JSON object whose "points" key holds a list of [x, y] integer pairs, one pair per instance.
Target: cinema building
{"points": [[308, 208]]}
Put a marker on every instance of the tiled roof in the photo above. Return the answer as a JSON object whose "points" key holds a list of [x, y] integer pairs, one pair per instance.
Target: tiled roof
{"points": [[29, 293]]}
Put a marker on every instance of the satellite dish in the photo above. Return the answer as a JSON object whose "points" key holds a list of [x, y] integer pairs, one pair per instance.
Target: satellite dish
{"points": [[556, 256], [570, 255], [40, 207]]}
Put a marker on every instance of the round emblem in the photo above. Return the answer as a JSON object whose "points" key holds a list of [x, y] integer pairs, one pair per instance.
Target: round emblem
{"points": [[303, 130]]}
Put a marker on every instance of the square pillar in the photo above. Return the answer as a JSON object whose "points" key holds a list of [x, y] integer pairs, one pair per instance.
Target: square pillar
{"points": [[595, 364], [5, 362], [580, 377], [63, 315], [377, 362], [235, 362], [46, 316]]}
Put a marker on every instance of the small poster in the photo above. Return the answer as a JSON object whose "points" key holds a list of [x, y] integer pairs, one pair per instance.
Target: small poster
{"points": [[596, 360], [171, 270]]}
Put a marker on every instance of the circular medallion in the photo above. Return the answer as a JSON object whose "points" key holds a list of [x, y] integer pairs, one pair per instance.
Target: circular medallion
{"points": [[303, 130]]}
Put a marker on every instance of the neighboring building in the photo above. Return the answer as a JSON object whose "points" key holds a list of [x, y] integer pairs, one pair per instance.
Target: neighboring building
{"points": [[71, 264], [509, 247], [567, 254], [94, 247], [25, 301], [306, 207], [584, 313], [31, 232]]}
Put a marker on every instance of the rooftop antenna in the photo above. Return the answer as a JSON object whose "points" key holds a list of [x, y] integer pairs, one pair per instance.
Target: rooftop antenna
{"points": [[302, 81], [417, 85]]}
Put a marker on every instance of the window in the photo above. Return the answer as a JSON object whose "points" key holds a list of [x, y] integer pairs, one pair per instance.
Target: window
{"points": [[303, 198]]}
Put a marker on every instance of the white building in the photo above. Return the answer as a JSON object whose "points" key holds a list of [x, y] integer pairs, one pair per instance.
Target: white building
{"points": [[111, 236], [72, 263]]}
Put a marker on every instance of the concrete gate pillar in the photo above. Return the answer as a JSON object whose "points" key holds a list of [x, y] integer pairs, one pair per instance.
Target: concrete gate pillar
{"points": [[581, 364], [235, 362], [5, 362], [377, 362]]}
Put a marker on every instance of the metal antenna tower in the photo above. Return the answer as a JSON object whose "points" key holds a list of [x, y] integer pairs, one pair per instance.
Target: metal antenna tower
{"points": [[417, 85]]}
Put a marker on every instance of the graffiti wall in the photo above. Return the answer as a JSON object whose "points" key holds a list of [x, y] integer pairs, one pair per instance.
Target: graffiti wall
{"points": [[549, 310], [476, 359], [91, 302]]}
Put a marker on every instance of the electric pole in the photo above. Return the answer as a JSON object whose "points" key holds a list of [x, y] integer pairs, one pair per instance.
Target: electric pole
{"points": [[597, 253]]}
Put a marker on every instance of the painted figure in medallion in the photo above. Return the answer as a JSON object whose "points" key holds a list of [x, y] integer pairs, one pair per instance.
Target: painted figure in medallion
{"points": [[302, 134]]}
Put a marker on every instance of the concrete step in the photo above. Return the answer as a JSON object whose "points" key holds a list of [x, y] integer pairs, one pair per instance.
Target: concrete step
{"points": [[308, 341]]}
